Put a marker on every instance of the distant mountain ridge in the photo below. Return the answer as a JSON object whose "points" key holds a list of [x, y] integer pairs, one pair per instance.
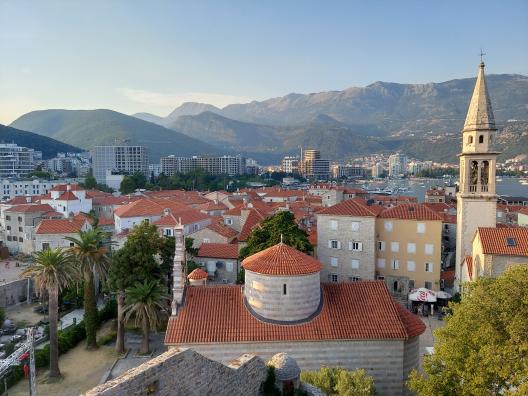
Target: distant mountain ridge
{"points": [[90, 128], [49, 147]]}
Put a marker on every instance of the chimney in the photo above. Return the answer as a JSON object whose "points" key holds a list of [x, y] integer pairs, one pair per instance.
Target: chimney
{"points": [[68, 187]]}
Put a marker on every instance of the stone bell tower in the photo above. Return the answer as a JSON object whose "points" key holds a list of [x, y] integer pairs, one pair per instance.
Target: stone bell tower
{"points": [[476, 199], [178, 268]]}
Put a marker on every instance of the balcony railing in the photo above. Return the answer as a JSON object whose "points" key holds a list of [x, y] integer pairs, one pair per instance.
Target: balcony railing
{"points": [[478, 188]]}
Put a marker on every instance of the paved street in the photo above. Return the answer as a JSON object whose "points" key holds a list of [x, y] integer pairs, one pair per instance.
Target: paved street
{"points": [[427, 338]]}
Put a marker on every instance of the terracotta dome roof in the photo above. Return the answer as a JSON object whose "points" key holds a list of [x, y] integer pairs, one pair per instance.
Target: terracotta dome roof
{"points": [[281, 259], [197, 274], [286, 367]]}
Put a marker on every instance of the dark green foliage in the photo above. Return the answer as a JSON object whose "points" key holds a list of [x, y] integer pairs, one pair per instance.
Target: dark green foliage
{"points": [[2, 315], [90, 182], [437, 172], [109, 311], [269, 234], [40, 174], [127, 185], [49, 147], [268, 386]]}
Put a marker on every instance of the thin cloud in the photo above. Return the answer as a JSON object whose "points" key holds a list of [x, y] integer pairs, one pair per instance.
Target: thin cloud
{"points": [[176, 99]]}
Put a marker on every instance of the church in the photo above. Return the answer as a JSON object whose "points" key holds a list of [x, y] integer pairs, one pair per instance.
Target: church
{"points": [[482, 249], [284, 307]]}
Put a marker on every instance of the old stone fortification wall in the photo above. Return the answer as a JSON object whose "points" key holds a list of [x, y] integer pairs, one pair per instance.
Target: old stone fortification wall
{"points": [[11, 293], [387, 361], [184, 372]]}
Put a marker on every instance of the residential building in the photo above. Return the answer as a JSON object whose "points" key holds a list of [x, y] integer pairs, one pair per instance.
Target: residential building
{"points": [[346, 241], [522, 217], [216, 233], [290, 164], [119, 160], [68, 199], [313, 166], [348, 171], [377, 170], [397, 165], [17, 161], [409, 248], [220, 261], [224, 165], [51, 233], [29, 187], [477, 198]]}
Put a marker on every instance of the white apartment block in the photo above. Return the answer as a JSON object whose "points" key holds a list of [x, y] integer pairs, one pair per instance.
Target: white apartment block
{"points": [[226, 164], [30, 187], [119, 159], [17, 161]]}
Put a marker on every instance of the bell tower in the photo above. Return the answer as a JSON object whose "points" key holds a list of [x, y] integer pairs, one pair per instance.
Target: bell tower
{"points": [[476, 199], [178, 268]]}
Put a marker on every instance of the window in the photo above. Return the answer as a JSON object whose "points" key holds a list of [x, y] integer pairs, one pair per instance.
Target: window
{"points": [[355, 246], [333, 277], [9, 237], [334, 244], [8, 228], [380, 277], [411, 248], [428, 267], [388, 226], [8, 218], [511, 242], [333, 225], [355, 226], [395, 247], [381, 246], [229, 266], [206, 240], [229, 221], [167, 232], [72, 244], [381, 263], [411, 284], [333, 261], [481, 139], [420, 228], [45, 245], [428, 285], [284, 290], [20, 229], [470, 139], [395, 264], [429, 249], [355, 263], [355, 278], [19, 219], [411, 266]]}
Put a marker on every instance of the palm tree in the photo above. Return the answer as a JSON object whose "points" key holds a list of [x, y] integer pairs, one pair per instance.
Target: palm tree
{"points": [[92, 257], [54, 270], [144, 301]]}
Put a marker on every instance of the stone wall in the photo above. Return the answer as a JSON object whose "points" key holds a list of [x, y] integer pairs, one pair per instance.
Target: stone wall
{"points": [[388, 362], [184, 372], [11, 293]]}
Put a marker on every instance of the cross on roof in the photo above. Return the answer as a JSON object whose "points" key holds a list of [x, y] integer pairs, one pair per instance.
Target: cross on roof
{"points": [[481, 55]]}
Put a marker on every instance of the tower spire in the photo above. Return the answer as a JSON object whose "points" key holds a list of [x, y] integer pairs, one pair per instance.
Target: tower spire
{"points": [[480, 114]]}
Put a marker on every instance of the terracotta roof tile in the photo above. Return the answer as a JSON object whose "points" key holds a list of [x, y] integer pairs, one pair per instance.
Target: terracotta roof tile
{"points": [[495, 241], [64, 187], [60, 226], [67, 196], [28, 208], [410, 212], [197, 274], [253, 219], [281, 259], [350, 207], [222, 229], [468, 260], [218, 250], [350, 311]]}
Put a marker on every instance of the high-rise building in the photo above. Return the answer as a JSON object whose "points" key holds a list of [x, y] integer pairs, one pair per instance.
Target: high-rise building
{"points": [[119, 159], [290, 164], [476, 200], [227, 164], [347, 171], [313, 167], [17, 161], [377, 170], [397, 164]]}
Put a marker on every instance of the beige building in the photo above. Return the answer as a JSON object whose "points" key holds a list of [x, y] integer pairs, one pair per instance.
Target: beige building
{"points": [[494, 250], [51, 234], [346, 241], [476, 200], [408, 248]]}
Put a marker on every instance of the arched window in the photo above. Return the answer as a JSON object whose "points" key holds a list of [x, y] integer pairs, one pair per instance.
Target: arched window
{"points": [[470, 139], [481, 139]]}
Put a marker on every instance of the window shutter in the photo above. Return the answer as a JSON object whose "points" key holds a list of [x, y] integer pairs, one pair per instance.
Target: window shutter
{"points": [[339, 244], [360, 246], [329, 244], [349, 245]]}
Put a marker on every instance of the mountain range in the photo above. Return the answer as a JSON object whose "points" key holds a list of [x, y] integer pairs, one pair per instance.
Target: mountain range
{"points": [[49, 147], [423, 120]]}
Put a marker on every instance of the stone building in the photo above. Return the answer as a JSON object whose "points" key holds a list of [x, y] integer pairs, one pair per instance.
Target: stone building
{"points": [[346, 241], [220, 260], [284, 307], [477, 199]]}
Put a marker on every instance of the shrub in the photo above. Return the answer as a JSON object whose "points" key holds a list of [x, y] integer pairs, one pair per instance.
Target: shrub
{"points": [[268, 386]]}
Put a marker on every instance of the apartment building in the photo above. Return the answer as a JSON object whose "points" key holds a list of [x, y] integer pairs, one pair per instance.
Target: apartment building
{"points": [[28, 187], [290, 164], [346, 241], [119, 160], [313, 166], [409, 248], [226, 164], [17, 161]]}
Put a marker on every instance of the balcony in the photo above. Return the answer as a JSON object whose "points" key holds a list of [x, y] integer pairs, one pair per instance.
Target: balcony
{"points": [[478, 188]]}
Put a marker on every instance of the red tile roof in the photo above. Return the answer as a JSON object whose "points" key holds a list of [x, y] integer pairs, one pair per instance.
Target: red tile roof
{"points": [[105, 221], [440, 207], [253, 220], [60, 226], [218, 250], [350, 207], [222, 229], [350, 311], [67, 196], [197, 274], [20, 200], [495, 241], [410, 211], [110, 200], [64, 187], [281, 259], [28, 208], [468, 260], [523, 211], [448, 276]]}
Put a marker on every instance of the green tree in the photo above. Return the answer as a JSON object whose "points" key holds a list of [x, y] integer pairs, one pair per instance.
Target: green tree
{"points": [[270, 232], [92, 258], [90, 182], [134, 262], [127, 186], [335, 381], [144, 302], [53, 271], [483, 348]]}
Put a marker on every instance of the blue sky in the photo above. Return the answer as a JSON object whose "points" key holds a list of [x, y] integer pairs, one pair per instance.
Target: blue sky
{"points": [[134, 56]]}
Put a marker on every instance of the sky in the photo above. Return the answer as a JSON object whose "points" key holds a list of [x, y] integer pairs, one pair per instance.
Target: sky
{"points": [[151, 56]]}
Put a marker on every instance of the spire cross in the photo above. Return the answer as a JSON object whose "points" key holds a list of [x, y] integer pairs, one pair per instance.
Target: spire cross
{"points": [[481, 56]]}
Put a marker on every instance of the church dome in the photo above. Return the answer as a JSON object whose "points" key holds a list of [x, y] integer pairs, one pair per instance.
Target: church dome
{"points": [[281, 259], [286, 367]]}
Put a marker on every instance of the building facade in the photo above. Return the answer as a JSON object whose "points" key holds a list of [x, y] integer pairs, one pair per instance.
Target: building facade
{"points": [[397, 165], [290, 164], [477, 199], [313, 166], [17, 161], [119, 159], [224, 165]]}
